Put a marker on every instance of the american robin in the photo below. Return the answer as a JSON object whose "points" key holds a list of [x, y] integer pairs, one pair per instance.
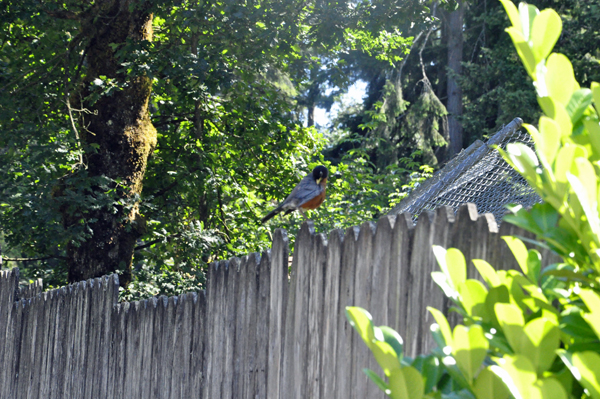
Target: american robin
{"points": [[308, 194]]}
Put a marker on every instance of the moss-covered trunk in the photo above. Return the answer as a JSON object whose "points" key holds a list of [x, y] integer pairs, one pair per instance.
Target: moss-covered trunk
{"points": [[117, 136]]}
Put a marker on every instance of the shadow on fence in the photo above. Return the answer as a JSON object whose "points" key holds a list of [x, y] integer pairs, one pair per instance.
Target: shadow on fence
{"points": [[257, 332]]}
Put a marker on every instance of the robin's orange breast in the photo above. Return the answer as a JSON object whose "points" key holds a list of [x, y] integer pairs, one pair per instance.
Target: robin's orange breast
{"points": [[315, 202]]}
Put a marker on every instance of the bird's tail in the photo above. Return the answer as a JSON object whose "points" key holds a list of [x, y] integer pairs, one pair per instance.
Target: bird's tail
{"points": [[271, 214]]}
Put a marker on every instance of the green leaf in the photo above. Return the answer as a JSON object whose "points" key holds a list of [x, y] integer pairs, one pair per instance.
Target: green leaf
{"points": [[579, 102], [544, 337], [362, 322], [565, 159], [523, 159], [558, 112], [430, 368], [512, 322], [443, 282], [592, 302], [386, 356], [519, 251], [489, 386], [393, 339], [513, 13], [544, 215], [523, 50], [595, 87], [550, 388], [472, 296], [499, 294], [586, 195], [487, 272], [456, 266], [545, 32], [469, 349], [527, 14], [455, 372], [376, 379], [443, 324], [406, 383], [547, 140], [573, 323], [517, 373], [560, 79], [593, 129], [585, 367], [534, 265]]}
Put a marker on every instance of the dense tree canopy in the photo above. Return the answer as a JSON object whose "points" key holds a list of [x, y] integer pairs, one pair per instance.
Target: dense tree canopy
{"points": [[149, 137]]}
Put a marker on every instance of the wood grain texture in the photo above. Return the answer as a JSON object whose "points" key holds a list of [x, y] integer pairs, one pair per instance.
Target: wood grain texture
{"points": [[260, 330]]}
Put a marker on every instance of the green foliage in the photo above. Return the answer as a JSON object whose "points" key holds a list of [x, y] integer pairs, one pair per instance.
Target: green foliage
{"points": [[539, 339], [228, 81], [563, 169], [532, 333]]}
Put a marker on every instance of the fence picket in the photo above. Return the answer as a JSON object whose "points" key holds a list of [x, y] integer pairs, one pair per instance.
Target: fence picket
{"points": [[277, 310], [254, 332], [345, 333], [331, 313]]}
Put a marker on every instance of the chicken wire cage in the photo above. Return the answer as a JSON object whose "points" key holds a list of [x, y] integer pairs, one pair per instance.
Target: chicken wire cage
{"points": [[477, 175]]}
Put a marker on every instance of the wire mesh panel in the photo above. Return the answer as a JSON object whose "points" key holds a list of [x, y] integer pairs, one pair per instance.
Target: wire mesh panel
{"points": [[477, 175]]}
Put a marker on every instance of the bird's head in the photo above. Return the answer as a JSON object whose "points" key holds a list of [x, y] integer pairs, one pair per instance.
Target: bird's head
{"points": [[320, 173]]}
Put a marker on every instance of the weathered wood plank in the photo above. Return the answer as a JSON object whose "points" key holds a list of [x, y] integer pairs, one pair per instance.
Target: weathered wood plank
{"points": [[420, 252], [69, 338], [26, 358], [277, 310], [331, 313], [52, 324], [232, 280], [167, 342], [120, 349], [317, 266], [110, 298], [180, 344], [133, 349], [345, 332], [249, 326], [13, 352], [56, 369], [117, 358], [440, 234], [380, 297], [262, 325], [9, 282], [93, 333], [398, 275], [239, 365], [147, 315], [198, 388], [209, 344], [80, 348], [362, 357], [305, 242]]}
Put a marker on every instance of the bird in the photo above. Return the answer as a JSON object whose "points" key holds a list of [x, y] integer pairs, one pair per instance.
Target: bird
{"points": [[308, 194]]}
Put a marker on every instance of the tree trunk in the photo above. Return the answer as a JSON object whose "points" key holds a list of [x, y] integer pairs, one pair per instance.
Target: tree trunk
{"points": [[118, 137], [454, 102]]}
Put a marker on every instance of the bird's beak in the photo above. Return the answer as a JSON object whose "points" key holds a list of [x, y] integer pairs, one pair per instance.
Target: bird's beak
{"points": [[319, 180]]}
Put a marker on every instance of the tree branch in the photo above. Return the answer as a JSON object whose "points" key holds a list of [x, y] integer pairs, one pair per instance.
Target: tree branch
{"points": [[31, 259], [149, 244], [64, 14]]}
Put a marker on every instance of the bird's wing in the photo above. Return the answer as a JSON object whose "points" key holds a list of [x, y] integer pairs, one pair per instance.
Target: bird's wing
{"points": [[306, 190]]}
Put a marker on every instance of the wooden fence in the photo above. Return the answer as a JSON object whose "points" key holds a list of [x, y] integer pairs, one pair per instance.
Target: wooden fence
{"points": [[256, 332]]}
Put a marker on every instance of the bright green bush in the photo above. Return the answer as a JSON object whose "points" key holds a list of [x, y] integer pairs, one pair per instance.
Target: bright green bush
{"points": [[534, 333]]}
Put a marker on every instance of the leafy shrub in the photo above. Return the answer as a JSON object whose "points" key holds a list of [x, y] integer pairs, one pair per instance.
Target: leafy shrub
{"points": [[534, 333]]}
